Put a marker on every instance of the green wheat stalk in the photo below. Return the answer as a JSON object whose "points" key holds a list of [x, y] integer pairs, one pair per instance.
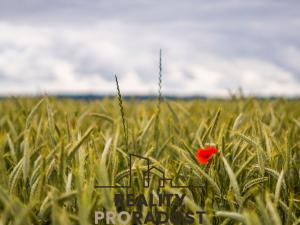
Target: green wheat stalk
{"points": [[124, 122], [159, 99]]}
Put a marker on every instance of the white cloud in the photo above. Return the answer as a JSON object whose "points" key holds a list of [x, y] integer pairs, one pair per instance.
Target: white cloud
{"points": [[205, 53]]}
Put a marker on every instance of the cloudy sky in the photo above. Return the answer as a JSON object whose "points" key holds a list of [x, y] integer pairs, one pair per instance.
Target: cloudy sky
{"points": [[209, 47]]}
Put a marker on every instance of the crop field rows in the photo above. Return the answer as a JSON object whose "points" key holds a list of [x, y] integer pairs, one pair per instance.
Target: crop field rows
{"points": [[55, 151]]}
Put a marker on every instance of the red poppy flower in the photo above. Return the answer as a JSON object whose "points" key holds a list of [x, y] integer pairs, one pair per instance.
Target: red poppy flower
{"points": [[204, 155]]}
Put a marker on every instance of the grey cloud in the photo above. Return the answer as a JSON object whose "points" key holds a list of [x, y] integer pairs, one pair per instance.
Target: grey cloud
{"points": [[74, 45]]}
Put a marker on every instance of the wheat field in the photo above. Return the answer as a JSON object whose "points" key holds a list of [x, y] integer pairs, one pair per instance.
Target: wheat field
{"points": [[54, 151]]}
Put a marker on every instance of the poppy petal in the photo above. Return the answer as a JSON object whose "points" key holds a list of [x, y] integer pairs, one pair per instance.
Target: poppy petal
{"points": [[204, 155]]}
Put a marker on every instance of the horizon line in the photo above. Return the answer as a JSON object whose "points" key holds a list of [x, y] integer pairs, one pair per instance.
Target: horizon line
{"points": [[146, 97]]}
